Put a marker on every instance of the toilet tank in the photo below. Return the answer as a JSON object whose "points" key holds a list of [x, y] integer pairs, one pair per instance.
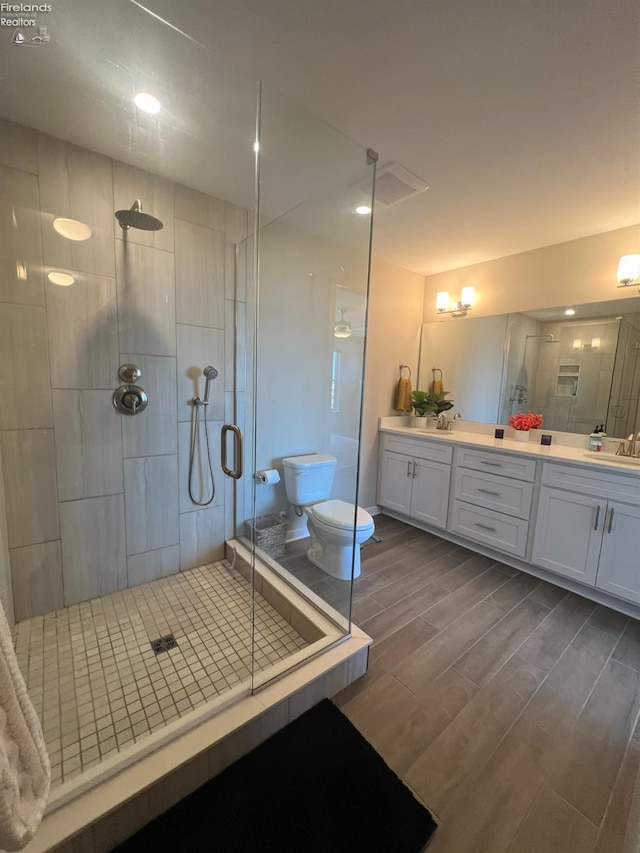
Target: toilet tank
{"points": [[308, 479]]}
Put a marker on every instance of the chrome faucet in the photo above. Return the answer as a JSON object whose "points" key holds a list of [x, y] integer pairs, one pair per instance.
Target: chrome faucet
{"points": [[630, 449], [444, 423]]}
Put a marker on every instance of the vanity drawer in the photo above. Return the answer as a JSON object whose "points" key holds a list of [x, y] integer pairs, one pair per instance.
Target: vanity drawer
{"points": [[502, 494], [589, 482], [497, 463], [491, 528], [435, 451]]}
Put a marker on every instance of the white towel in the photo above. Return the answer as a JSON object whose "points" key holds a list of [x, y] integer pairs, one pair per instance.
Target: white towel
{"points": [[25, 773]]}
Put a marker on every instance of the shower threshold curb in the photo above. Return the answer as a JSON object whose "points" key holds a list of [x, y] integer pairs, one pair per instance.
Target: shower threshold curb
{"points": [[200, 745]]}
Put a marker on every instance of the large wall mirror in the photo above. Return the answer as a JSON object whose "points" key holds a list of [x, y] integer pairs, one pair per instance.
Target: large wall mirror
{"points": [[577, 371]]}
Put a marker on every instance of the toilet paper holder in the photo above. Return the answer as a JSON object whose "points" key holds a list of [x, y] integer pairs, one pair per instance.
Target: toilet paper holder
{"points": [[268, 476]]}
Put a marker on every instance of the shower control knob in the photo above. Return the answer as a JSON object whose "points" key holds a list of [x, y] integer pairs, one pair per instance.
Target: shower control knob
{"points": [[129, 373], [130, 400]]}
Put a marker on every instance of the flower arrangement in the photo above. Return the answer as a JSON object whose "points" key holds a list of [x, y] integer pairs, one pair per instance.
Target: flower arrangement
{"points": [[525, 422], [428, 402]]}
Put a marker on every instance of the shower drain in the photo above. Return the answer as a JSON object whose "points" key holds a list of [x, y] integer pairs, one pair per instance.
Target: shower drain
{"points": [[164, 644]]}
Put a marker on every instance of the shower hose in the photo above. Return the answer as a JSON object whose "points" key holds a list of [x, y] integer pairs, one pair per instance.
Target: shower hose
{"points": [[195, 441]]}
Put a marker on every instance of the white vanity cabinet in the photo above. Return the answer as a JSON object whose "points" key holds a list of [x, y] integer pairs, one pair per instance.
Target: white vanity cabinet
{"points": [[586, 534], [492, 495], [414, 478]]}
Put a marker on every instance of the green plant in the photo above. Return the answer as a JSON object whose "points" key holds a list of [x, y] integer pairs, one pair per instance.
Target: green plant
{"points": [[426, 402]]}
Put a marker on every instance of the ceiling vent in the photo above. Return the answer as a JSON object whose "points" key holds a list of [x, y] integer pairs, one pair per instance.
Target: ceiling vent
{"points": [[394, 184]]}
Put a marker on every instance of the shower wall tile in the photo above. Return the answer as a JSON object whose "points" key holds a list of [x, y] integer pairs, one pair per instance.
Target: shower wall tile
{"points": [[154, 431], [201, 477], [21, 277], [199, 275], [28, 461], [93, 547], [153, 564], [151, 495], [199, 208], [201, 537], [238, 260], [6, 591], [76, 184], [83, 339], [146, 299], [18, 148], [235, 358], [88, 444], [36, 573], [199, 347], [156, 198], [24, 368]]}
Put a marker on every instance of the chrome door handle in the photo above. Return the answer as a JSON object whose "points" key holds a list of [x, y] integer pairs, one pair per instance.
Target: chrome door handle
{"points": [[484, 526], [493, 464], [610, 527], [408, 468], [489, 492], [238, 443], [595, 526], [414, 470]]}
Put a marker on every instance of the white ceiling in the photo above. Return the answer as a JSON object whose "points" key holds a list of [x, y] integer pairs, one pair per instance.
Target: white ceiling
{"points": [[523, 117]]}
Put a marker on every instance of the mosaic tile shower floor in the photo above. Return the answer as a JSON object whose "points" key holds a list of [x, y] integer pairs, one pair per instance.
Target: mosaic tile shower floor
{"points": [[98, 686]]}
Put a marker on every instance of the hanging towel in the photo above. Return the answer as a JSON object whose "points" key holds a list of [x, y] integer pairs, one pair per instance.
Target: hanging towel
{"points": [[402, 401], [25, 773], [436, 386]]}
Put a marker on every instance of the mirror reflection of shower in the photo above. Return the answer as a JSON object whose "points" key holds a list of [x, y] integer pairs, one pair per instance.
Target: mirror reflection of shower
{"points": [[518, 398], [198, 424], [134, 217]]}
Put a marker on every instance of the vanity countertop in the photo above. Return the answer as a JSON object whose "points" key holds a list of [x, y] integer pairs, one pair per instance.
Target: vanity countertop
{"points": [[557, 452]]}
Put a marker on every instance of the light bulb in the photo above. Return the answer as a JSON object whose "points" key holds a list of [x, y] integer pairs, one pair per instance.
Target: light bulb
{"points": [[629, 269], [468, 296], [147, 103]]}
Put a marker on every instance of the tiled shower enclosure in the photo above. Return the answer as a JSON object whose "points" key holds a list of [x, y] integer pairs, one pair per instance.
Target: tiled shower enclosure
{"points": [[96, 501]]}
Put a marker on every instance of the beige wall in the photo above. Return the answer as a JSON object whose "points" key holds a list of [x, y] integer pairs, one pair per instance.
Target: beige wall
{"points": [[575, 272], [393, 338]]}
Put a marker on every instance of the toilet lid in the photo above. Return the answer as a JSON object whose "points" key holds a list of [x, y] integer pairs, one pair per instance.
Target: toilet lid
{"points": [[340, 514]]}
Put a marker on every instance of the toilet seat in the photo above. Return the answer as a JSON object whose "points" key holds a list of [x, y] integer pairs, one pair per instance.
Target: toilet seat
{"points": [[340, 514]]}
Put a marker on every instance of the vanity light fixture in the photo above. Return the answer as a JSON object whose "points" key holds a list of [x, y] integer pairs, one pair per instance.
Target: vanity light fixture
{"points": [[577, 343], [457, 308], [72, 229], [342, 328], [629, 271]]}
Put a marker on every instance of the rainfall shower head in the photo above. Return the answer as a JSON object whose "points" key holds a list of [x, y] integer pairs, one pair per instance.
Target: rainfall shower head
{"points": [[135, 218]]}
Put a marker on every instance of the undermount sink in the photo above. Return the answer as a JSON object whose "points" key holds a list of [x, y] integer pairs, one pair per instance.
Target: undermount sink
{"points": [[437, 433], [613, 457]]}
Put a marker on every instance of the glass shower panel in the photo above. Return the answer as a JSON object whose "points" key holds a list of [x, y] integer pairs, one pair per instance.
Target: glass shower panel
{"points": [[308, 322], [127, 615]]}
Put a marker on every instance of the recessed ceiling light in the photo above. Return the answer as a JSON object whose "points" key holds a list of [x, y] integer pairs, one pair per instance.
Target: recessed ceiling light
{"points": [[569, 312], [363, 209], [61, 278], [147, 103], [72, 229]]}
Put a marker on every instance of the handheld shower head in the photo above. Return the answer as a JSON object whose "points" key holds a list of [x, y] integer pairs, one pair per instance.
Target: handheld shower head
{"points": [[209, 374]]}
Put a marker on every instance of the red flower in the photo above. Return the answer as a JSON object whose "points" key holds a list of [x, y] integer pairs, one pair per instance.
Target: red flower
{"points": [[525, 422]]}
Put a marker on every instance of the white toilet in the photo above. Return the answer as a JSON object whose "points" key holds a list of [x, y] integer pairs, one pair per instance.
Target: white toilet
{"points": [[308, 480]]}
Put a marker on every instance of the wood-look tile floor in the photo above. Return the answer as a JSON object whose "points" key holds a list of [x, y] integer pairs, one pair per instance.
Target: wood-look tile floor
{"points": [[508, 705]]}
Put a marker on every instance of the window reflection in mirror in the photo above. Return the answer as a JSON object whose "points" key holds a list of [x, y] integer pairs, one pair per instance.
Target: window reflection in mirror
{"points": [[576, 371]]}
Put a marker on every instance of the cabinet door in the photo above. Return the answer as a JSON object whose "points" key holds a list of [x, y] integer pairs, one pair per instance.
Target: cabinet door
{"points": [[569, 534], [619, 569], [430, 497], [396, 481]]}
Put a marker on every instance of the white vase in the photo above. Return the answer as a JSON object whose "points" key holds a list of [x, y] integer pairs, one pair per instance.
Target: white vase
{"points": [[420, 423], [521, 435]]}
